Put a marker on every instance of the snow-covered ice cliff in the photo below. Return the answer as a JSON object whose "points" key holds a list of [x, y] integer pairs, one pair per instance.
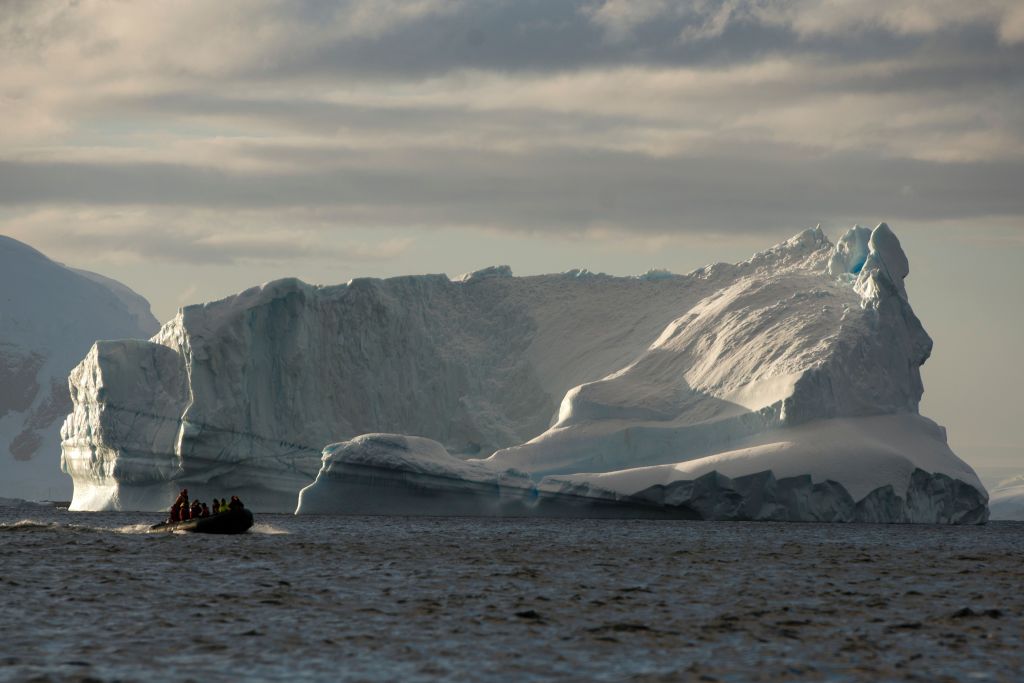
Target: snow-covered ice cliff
{"points": [[783, 387], [49, 317]]}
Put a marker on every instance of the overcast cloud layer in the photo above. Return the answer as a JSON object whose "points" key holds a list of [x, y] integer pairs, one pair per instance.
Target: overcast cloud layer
{"points": [[150, 126]]}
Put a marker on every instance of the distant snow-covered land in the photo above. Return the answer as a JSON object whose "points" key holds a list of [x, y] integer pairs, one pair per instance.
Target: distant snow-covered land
{"points": [[1008, 499], [782, 387], [49, 317]]}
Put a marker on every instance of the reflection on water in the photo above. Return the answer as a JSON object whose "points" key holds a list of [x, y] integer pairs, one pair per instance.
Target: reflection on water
{"points": [[92, 595]]}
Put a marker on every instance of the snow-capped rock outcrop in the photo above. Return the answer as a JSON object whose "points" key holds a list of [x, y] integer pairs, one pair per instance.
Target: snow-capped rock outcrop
{"points": [[49, 317], [799, 366]]}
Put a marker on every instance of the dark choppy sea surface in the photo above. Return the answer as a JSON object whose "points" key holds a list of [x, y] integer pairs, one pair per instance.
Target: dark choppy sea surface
{"points": [[90, 596]]}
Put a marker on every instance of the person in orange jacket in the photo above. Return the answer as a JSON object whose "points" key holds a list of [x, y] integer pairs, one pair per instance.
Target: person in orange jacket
{"points": [[176, 506]]}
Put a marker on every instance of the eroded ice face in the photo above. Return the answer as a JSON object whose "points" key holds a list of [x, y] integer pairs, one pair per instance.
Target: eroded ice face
{"points": [[850, 253]]}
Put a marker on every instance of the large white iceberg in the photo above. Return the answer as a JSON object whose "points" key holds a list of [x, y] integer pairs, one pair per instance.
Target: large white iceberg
{"points": [[49, 317], [783, 387]]}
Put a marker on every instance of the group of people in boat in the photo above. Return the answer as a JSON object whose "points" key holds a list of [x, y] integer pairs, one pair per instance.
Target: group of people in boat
{"points": [[182, 511]]}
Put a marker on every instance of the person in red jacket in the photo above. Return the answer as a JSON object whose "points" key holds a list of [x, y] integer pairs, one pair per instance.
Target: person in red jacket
{"points": [[176, 507], [205, 512]]}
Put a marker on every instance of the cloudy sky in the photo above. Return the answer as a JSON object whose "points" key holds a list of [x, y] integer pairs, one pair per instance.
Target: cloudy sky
{"points": [[193, 148]]}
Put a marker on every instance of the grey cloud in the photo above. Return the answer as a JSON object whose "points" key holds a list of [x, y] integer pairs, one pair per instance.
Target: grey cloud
{"points": [[317, 117], [154, 245], [313, 39], [554, 190], [312, 116], [205, 240], [559, 35], [563, 175], [544, 36]]}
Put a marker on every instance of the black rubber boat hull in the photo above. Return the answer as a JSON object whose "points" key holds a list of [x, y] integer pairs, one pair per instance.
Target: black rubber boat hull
{"points": [[236, 522]]}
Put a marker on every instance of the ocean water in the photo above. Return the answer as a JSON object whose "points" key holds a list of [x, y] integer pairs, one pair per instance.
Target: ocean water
{"points": [[92, 597]]}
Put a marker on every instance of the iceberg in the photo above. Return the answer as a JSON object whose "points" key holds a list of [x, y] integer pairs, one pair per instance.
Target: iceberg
{"points": [[1007, 500], [783, 387], [49, 318]]}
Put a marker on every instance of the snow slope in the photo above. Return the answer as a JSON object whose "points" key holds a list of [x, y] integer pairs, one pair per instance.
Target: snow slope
{"points": [[792, 361], [778, 345], [1007, 499], [49, 317]]}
